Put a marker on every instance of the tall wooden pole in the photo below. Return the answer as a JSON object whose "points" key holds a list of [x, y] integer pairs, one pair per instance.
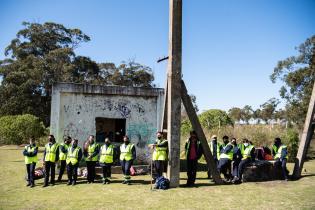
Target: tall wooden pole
{"points": [[174, 90]]}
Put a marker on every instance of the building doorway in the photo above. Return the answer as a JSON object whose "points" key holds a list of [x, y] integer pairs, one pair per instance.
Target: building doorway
{"points": [[112, 128]]}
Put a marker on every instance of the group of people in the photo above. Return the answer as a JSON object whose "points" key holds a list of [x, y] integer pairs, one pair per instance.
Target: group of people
{"points": [[230, 158]]}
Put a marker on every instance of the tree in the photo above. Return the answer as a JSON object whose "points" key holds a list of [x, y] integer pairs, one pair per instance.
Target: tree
{"points": [[214, 118], [298, 75], [235, 113], [257, 115], [246, 113], [268, 110]]}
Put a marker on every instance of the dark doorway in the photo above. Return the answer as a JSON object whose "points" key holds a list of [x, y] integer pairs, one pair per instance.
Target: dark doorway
{"points": [[114, 129]]}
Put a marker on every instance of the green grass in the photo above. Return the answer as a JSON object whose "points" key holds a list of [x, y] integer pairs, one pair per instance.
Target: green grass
{"points": [[264, 195]]}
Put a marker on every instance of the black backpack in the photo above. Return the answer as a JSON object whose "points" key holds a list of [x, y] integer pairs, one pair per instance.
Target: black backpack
{"points": [[162, 183]]}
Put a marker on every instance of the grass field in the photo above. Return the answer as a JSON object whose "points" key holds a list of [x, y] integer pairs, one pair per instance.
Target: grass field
{"points": [[263, 195]]}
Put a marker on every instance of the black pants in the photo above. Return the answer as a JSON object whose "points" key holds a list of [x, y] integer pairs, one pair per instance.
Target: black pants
{"points": [[125, 167], [242, 166], [283, 165], [235, 165], [30, 168], [90, 165], [224, 166], [106, 168], [62, 169], [159, 166], [72, 171], [49, 169], [216, 165], [191, 171]]}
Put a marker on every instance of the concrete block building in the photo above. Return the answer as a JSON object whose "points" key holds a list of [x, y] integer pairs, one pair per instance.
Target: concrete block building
{"points": [[80, 110]]}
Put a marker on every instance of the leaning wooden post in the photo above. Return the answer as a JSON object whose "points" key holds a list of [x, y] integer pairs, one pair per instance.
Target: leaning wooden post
{"points": [[201, 136], [173, 91], [306, 137]]}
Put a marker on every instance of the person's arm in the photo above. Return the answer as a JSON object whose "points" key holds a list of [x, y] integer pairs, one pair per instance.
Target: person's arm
{"points": [[63, 149], [25, 153], [163, 144], [227, 149], [273, 151], [133, 150], [79, 155], [252, 154], [200, 151], [284, 153], [57, 154], [44, 154], [32, 154], [96, 151]]}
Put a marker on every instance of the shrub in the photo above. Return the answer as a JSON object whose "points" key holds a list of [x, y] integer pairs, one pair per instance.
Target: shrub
{"points": [[17, 129], [291, 139]]}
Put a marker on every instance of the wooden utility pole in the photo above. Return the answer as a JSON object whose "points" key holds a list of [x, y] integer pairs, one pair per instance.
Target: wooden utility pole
{"points": [[201, 136], [174, 75], [306, 137]]}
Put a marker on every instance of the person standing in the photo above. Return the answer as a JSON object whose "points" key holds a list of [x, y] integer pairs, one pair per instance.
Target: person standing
{"points": [[30, 153], [193, 150], [107, 154], [91, 157], [159, 155], [226, 156], [63, 150], [74, 156], [127, 156], [237, 156], [280, 154], [215, 150], [51, 156]]}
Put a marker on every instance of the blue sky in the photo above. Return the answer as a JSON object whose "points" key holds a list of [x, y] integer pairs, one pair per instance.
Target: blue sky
{"points": [[230, 47]]}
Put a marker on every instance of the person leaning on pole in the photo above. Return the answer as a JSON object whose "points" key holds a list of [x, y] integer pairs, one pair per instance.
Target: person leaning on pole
{"points": [[30, 153], [74, 156], [63, 150], [51, 156], [159, 155], [127, 156]]}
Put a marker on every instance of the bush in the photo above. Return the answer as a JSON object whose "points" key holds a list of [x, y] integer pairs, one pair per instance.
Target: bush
{"points": [[17, 129], [291, 139]]}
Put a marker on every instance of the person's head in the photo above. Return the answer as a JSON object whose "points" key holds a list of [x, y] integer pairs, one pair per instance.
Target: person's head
{"points": [[159, 134], [67, 140], [193, 134], [126, 139], [277, 141], [91, 139], [107, 141], [74, 142], [225, 139], [32, 140], [214, 137], [233, 141], [245, 142], [51, 138]]}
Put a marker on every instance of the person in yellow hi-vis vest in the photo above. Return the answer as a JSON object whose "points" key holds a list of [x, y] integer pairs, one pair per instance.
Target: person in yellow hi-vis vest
{"points": [[215, 148], [159, 155], [51, 156], [74, 156], [63, 147], [225, 158], [107, 154], [280, 155], [30, 153], [127, 156], [91, 157]]}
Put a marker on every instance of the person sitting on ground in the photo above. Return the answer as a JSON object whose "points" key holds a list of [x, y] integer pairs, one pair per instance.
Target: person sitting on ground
{"points": [[237, 156], [193, 150]]}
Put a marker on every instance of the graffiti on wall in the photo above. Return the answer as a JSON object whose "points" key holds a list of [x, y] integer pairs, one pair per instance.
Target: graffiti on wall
{"points": [[123, 107], [141, 133]]}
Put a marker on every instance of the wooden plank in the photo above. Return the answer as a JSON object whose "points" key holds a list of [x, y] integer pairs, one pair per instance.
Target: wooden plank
{"points": [[201, 136], [306, 137], [173, 94], [163, 125]]}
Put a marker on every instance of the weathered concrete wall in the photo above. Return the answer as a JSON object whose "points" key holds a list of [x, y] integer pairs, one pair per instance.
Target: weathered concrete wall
{"points": [[75, 107]]}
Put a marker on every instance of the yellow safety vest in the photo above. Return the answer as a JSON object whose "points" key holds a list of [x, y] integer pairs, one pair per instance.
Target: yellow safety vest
{"points": [[107, 154], [246, 152], [51, 152], [218, 149], [229, 155], [125, 152], [91, 150], [29, 160], [73, 155], [279, 151], [160, 153], [63, 156]]}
